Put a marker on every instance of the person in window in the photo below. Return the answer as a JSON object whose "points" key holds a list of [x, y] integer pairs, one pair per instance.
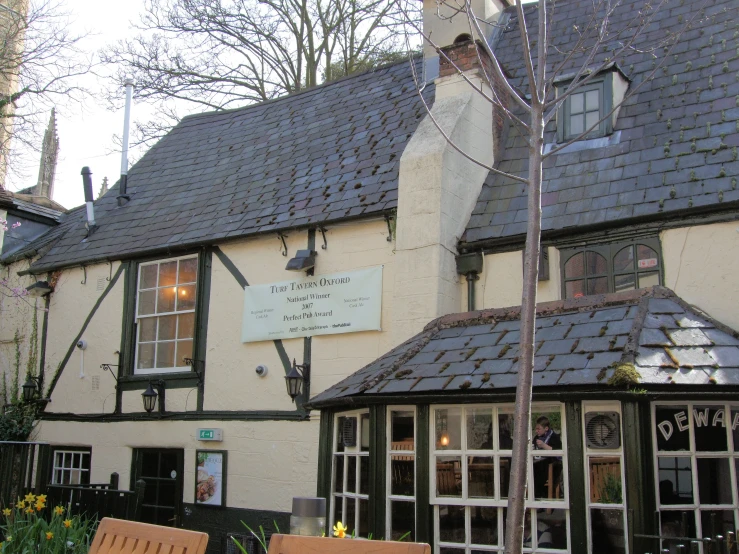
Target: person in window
{"points": [[545, 439], [543, 533]]}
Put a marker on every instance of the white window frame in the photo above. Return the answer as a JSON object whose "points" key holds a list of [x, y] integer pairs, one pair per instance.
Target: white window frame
{"points": [[138, 318], [388, 468], [600, 453], [731, 453], [71, 469], [348, 451], [531, 504]]}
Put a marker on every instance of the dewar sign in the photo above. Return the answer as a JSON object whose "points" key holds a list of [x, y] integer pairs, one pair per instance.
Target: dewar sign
{"points": [[321, 305]]}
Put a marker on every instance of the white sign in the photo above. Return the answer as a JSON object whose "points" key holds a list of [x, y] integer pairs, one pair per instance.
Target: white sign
{"points": [[648, 262], [322, 305]]}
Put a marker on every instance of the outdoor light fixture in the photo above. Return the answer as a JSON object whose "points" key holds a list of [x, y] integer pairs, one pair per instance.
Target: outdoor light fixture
{"points": [[295, 379], [149, 396], [30, 387], [304, 260], [39, 289], [444, 436]]}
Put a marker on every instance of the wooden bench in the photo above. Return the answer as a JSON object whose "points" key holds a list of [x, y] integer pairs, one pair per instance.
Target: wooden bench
{"points": [[118, 536], [296, 544]]}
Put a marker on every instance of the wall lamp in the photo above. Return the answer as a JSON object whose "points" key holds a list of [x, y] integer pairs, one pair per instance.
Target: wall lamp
{"points": [[155, 390], [31, 387], [299, 375], [304, 260], [39, 289]]}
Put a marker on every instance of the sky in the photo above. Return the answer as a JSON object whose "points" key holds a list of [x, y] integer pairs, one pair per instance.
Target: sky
{"points": [[86, 131]]}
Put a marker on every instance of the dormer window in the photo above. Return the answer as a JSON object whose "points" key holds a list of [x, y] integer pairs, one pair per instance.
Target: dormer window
{"points": [[585, 107]]}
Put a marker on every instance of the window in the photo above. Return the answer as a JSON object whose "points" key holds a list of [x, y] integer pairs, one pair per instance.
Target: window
{"points": [[471, 463], [165, 314], [599, 269], [71, 467], [697, 462], [401, 471], [350, 474]]}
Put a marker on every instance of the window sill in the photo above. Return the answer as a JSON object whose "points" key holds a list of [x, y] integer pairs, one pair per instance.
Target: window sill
{"points": [[587, 144], [184, 380]]}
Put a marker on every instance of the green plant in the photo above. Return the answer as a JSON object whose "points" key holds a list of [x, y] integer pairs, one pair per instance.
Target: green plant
{"points": [[30, 527], [261, 537], [17, 422], [611, 492]]}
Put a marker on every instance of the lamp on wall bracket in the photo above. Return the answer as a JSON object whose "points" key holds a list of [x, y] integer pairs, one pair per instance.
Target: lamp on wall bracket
{"points": [[32, 390], [194, 365], [299, 375], [39, 289], [156, 389], [304, 260]]}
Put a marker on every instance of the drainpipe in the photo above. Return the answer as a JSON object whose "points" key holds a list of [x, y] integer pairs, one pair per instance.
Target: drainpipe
{"points": [[87, 185], [123, 197], [470, 265]]}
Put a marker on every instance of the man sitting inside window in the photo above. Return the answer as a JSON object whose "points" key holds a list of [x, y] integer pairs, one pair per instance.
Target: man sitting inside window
{"points": [[545, 439]]}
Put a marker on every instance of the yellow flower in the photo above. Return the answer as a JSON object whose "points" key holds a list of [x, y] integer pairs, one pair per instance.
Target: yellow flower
{"points": [[41, 498], [29, 510], [339, 530], [20, 505], [59, 510], [49, 535], [30, 498], [40, 506], [67, 523], [6, 511]]}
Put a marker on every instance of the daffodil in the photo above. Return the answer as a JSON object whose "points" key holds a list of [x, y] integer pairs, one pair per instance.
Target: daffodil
{"points": [[20, 505], [67, 523], [1, 545], [49, 535], [29, 510], [339, 530], [30, 498], [59, 510], [41, 498], [40, 506], [6, 511]]}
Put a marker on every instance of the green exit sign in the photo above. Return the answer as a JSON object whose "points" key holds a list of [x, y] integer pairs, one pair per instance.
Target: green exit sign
{"points": [[210, 434]]}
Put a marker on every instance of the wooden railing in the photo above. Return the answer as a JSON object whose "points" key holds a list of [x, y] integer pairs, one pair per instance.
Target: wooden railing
{"points": [[99, 500]]}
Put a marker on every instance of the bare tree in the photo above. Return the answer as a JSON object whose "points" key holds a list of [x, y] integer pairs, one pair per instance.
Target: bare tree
{"points": [[39, 63], [227, 53], [552, 68]]}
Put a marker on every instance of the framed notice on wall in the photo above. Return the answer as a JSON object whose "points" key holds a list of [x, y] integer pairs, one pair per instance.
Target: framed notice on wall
{"points": [[210, 478]]}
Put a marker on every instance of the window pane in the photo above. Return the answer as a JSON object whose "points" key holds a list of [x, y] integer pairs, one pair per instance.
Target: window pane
{"points": [[364, 428], [591, 100], [481, 479], [716, 522], [479, 429], [364, 475], [351, 474], [607, 531], [148, 276], [451, 524], [449, 429], [338, 510], [188, 270], [713, 475], [184, 350], [624, 282], [339, 436], [448, 476], [484, 525], [575, 266], [646, 256], [167, 274], [402, 428], [402, 520], [577, 123], [185, 326], [147, 329], [146, 302], [167, 326], [145, 359], [591, 118], [648, 280], [599, 285], [402, 476], [596, 264], [350, 516], [505, 431], [576, 103], [165, 354], [551, 527], [624, 260], [672, 428], [675, 480], [363, 529], [505, 475], [339, 473], [186, 297], [605, 480], [710, 429], [575, 289], [676, 523], [165, 300]]}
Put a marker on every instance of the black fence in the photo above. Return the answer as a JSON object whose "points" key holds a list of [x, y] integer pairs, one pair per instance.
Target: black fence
{"points": [[97, 501]]}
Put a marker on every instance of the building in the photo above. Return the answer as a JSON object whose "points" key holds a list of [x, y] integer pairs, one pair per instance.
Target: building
{"points": [[635, 339]]}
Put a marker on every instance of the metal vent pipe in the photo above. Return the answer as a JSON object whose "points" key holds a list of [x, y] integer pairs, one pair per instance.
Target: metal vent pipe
{"points": [[89, 198]]}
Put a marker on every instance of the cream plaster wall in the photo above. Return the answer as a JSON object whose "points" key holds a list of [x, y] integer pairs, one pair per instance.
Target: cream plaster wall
{"points": [[269, 462], [438, 188], [701, 265], [501, 282], [92, 390]]}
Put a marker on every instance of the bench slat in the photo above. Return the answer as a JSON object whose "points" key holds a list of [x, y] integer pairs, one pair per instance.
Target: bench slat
{"points": [[296, 544]]}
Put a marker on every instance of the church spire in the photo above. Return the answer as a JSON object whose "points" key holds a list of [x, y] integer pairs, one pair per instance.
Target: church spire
{"points": [[49, 155]]}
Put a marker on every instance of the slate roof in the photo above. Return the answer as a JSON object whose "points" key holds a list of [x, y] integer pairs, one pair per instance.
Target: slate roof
{"points": [[323, 155], [579, 342], [674, 149]]}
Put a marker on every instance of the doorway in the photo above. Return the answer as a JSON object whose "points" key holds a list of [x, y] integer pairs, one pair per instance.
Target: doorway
{"points": [[161, 469]]}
